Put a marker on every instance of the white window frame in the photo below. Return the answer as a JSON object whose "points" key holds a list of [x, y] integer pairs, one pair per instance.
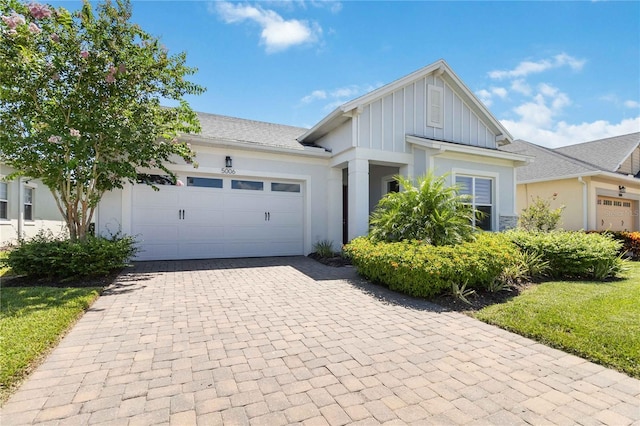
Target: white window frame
{"points": [[435, 93], [32, 203], [385, 181], [494, 191], [6, 199]]}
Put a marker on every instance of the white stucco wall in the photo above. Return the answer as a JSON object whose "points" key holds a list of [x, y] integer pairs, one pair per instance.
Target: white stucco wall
{"points": [[46, 215]]}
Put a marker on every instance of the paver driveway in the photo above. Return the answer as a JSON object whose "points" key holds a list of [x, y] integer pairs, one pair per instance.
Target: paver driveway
{"points": [[287, 340]]}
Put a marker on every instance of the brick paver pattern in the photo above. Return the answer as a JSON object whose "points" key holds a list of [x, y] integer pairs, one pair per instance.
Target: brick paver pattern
{"points": [[290, 341]]}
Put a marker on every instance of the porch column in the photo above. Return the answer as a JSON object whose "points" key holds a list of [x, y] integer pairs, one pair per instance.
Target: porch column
{"points": [[407, 171], [358, 198], [334, 207]]}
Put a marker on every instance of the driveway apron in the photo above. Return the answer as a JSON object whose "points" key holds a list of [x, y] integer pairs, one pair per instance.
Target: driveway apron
{"points": [[279, 341]]}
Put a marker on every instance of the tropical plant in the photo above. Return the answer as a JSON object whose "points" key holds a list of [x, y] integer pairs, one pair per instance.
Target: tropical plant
{"points": [[539, 216], [80, 102], [430, 211]]}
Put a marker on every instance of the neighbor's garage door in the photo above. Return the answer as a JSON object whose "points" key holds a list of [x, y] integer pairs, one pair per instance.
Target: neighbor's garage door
{"points": [[215, 217], [615, 214]]}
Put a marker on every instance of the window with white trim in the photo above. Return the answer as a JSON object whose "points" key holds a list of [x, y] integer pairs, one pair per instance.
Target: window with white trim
{"points": [[435, 109], [482, 199], [28, 203], [4, 200]]}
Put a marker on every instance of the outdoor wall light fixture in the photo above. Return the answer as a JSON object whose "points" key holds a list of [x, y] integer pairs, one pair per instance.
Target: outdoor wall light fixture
{"points": [[622, 189], [228, 162]]}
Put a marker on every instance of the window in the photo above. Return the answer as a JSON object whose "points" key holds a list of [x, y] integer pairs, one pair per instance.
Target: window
{"points": [[626, 204], [285, 187], [204, 182], [393, 186], [435, 100], [28, 203], [4, 200], [247, 184], [155, 179], [481, 192]]}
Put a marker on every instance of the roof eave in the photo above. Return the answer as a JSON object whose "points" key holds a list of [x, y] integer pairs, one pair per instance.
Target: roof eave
{"points": [[253, 146], [519, 159], [625, 178]]}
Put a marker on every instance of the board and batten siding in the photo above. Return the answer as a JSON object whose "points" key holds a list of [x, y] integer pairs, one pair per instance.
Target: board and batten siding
{"points": [[383, 123]]}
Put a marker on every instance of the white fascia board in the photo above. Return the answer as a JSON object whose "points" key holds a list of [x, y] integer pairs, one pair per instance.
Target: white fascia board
{"points": [[465, 149], [307, 151], [373, 156], [610, 175], [334, 114]]}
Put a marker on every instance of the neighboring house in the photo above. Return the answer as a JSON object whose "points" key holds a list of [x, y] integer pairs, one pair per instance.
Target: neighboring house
{"points": [[598, 182], [264, 189], [26, 207]]}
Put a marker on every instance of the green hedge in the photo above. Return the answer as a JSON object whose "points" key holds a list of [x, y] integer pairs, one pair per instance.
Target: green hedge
{"points": [[51, 258], [572, 254], [426, 271]]}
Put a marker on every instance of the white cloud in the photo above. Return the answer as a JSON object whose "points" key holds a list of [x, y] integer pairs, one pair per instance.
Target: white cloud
{"points": [[525, 68], [563, 133], [277, 33], [339, 95], [521, 86], [631, 104], [485, 97], [500, 92], [316, 94]]}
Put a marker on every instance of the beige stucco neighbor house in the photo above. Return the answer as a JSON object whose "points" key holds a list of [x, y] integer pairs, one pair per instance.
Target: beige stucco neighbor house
{"points": [[598, 182]]}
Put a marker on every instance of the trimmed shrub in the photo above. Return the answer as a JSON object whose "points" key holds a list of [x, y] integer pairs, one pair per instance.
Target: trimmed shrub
{"points": [[51, 258], [426, 271], [630, 242], [572, 254]]}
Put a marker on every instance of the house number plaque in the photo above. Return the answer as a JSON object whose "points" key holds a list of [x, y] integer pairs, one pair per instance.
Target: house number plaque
{"points": [[228, 171]]}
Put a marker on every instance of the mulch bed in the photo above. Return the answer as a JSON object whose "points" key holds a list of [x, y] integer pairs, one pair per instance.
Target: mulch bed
{"points": [[480, 299], [22, 281]]}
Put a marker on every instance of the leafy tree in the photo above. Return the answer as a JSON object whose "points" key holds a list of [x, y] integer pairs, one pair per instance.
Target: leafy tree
{"points": [[539, 216], [80, 102], [430, 211]]}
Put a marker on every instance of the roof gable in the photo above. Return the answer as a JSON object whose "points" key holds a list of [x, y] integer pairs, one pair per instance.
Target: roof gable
{"points": [[441, 69]]}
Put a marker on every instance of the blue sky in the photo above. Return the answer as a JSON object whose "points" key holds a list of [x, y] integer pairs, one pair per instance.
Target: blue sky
{"points": [[553, 73]]}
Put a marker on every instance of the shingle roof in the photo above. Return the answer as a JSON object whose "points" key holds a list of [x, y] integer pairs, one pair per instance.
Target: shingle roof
{"points": [[547, 164], [248, 131], [608, 154]]}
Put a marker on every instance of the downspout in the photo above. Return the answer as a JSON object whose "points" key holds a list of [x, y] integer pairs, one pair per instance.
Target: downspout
{"points": [[20, 207], [585, 204]]}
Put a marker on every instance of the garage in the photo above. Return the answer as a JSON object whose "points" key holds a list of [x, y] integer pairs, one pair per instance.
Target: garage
{"points": [[218, 217], [615, 214]]}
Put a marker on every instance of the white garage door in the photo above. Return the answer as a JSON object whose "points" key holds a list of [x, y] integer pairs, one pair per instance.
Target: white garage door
{"points": [[218, 217]]}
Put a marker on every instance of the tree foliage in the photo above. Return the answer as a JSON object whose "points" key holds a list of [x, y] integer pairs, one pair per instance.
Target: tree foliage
{"points": [[539, 216], [429, 211], [80, 102]]}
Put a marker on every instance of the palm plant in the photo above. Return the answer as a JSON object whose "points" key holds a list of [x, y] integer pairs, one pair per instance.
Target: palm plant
{"points": [[430, 211]]}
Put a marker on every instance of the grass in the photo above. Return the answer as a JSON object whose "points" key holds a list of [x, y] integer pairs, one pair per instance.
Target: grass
{"points": [[32, 320], [598, 321]]}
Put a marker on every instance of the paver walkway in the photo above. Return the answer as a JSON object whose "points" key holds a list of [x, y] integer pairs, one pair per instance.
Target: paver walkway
{"points": [[287, 340]]}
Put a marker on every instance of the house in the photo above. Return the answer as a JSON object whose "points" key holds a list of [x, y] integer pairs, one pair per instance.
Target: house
{"points": [[598, 182], [26, 208], [264, 189]]}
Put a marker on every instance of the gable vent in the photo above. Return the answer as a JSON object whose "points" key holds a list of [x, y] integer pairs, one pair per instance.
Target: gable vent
{"points": [[435, 100]]}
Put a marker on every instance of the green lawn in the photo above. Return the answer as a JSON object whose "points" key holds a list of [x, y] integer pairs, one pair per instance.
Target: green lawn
{"points": [[32, 320], [599, 321]]}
